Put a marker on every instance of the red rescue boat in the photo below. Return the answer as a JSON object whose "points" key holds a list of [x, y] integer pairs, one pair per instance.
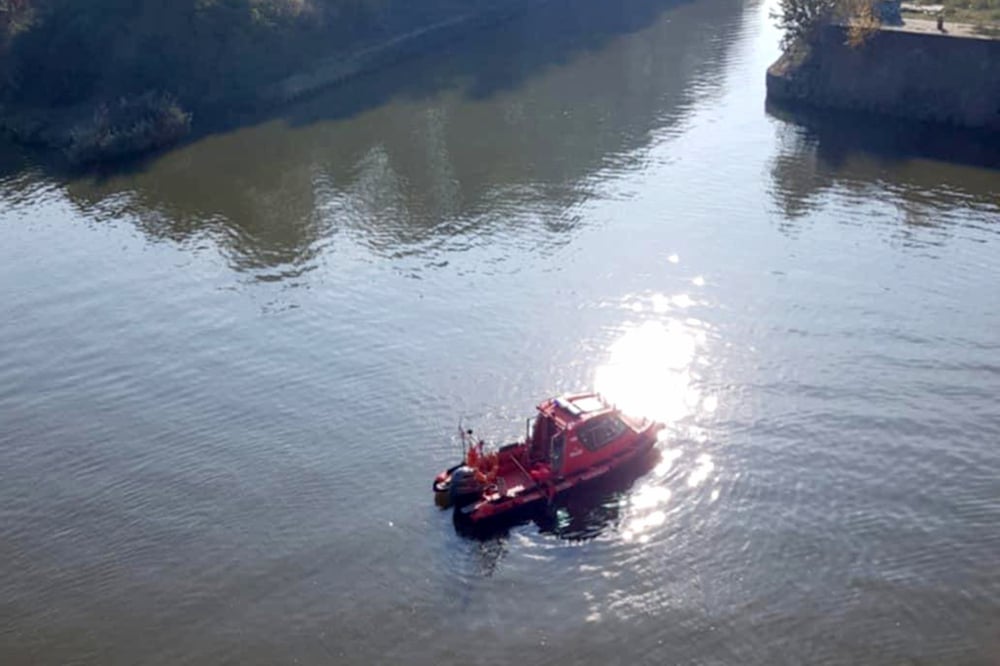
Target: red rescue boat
{"points": [[571, 440]]}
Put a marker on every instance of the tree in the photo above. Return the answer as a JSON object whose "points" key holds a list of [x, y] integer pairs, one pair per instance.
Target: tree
{"points": [[801, 20]]}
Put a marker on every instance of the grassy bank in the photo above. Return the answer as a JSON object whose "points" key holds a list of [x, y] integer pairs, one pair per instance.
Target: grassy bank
{"points": [[104, 78]]}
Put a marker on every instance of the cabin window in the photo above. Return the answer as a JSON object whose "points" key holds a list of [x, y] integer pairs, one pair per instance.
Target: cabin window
{"points": [[600, 433]]}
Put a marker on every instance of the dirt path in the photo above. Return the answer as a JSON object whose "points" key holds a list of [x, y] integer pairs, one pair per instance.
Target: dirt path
{"points": [[930, 27]]}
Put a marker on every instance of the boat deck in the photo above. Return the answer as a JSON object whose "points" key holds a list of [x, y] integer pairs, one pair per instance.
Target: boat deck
{"points": [[514, 482]]}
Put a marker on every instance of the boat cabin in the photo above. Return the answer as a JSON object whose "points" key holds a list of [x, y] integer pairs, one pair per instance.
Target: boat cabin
{"points": [[576, 432]]}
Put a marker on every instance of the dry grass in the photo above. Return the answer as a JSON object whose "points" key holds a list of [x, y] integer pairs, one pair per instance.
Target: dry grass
{"points": [[861, 20]]}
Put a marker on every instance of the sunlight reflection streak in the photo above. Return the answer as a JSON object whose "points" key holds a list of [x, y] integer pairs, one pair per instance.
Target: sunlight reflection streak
{"points": [[654, 370], [649, 371]]}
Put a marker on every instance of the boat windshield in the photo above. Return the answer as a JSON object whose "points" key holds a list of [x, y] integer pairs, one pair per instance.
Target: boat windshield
{"points": [[600, 432]]}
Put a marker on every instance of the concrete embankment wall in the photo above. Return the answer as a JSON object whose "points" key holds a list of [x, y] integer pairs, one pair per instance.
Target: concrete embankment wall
{"points": [[920, 76]]}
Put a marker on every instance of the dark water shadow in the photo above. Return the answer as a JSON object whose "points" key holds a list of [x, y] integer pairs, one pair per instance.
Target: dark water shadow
{"points": [[493, 59], [579, 514], [838, 135], [926, 169]]}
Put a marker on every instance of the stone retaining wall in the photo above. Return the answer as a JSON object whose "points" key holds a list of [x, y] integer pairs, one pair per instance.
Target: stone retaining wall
{"points": [[921, 76]]}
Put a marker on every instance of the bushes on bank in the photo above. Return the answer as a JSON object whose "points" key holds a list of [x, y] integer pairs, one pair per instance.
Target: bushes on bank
{"points": [[128, 126], [73, 51], [802, 20]]}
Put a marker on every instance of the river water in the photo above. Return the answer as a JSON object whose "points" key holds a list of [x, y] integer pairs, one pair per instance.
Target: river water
{"points": [[228, 376]]}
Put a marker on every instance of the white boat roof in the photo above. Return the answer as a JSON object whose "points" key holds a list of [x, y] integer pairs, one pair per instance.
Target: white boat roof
{"points": [[583, 404], [590, 404]]}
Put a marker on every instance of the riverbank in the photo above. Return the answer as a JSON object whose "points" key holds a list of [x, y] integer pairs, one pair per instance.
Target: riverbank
{"points": [[913, 71], [110, 112]]}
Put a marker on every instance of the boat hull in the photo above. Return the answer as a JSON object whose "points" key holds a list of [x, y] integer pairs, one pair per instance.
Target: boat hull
{"points": [[497, 505]]}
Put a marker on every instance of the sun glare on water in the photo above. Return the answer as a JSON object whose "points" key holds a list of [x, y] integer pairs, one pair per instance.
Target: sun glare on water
{"points": [[653, 370], [650, 370]]}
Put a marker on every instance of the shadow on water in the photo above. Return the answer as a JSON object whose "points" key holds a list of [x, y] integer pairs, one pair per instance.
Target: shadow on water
{"points": [[498, 59], [869, 156], [840, 134], [578, 514], [499, 133]]}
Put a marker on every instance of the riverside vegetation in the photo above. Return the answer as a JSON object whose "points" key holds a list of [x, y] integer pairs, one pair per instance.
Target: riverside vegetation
{"points": [[103, 79], [802, 20]]}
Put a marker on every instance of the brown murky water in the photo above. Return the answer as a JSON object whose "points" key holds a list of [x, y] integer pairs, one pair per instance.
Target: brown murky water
{"points": [[227, 379]]}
